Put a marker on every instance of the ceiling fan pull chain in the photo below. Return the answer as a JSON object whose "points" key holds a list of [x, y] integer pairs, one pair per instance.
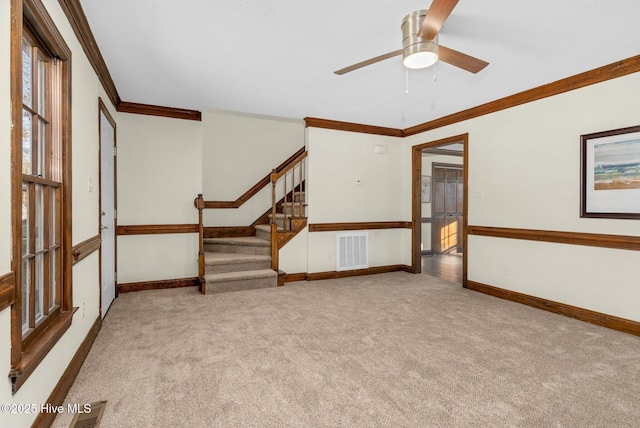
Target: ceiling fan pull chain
{"points": [[435, 71], [406, 81]]}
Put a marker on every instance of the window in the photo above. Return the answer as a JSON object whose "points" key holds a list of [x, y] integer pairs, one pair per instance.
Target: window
{"points": [[41, 180], [41, 186]]}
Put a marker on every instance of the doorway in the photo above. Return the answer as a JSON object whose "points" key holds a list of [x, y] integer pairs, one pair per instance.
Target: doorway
{"points": [[439, 220], [107, 138]]}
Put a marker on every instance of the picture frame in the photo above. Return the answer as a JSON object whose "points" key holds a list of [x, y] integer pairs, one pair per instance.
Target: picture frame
{"points": [[426, 189], [610, 174]]}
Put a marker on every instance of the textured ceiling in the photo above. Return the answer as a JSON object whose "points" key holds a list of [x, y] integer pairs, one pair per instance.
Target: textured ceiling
{"points": [[277, 57]]}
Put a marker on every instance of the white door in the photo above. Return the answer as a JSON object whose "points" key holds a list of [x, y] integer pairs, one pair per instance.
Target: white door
{"points": [[107, 205]]}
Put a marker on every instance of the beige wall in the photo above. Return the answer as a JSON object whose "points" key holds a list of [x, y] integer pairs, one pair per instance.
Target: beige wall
{"points": [[5, 200], [338, 162], [524, 172], [238, 150], [159, 176], [86, 90]]}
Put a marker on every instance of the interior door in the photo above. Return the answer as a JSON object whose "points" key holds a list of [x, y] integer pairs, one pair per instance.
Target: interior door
{"points": [[108, 210], [447, 206]]}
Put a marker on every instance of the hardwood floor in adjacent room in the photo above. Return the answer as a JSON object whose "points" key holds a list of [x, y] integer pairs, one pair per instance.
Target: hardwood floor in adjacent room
{"points": [[444, 266]]}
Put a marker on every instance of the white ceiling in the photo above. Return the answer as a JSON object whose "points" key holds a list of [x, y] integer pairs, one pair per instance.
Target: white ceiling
{"points": [[277, 57]]}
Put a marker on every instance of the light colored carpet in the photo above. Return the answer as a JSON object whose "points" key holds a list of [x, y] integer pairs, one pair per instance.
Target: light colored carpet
{"points": [[389, 350]]}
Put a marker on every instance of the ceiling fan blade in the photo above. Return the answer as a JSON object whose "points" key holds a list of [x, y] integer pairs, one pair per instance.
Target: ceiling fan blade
{"points": [[438, 13], [368, 62], [460, 60]]}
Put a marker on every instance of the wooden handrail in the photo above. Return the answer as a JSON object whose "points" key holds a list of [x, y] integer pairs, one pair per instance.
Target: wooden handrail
{"points": [[293, 163], [256, 187]]}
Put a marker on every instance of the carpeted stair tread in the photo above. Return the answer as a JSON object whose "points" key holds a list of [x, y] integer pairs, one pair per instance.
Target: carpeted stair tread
{"points": [[238, 276], [245, 240], [211, 258], [266, 227]]}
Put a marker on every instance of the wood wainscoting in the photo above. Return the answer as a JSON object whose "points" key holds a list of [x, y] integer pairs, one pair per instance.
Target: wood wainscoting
{"points": [[362, 225], [155, 229], [621, 242], [7, 290], [85, 248]]}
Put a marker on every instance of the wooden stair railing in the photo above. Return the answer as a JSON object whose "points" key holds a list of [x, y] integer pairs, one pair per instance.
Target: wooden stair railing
{"points": [[291, 222]]}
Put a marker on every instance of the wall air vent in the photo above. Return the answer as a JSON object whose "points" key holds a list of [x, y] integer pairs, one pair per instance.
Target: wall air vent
{"points": [[352, 251]]}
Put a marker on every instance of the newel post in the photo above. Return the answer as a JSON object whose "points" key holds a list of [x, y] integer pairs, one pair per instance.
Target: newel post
{"points": [[199, 204]]}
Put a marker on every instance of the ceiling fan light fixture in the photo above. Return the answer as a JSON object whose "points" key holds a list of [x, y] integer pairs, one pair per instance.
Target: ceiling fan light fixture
{"points": [[420, 58], [417, 52]]}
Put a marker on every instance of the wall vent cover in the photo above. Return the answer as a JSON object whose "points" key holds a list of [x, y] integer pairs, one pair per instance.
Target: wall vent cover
{"points": [[352, 251]]}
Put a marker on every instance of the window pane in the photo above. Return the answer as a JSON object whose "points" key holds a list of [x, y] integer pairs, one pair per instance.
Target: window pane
{"points": [[27, 74], [39, 217], [42, 93], [53, 239], [26, 142], [39, 287], [26, 279], [25, 219], [53, 280], [42, 155]]}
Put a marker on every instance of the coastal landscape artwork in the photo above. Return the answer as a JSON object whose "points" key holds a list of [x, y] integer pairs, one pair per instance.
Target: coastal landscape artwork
{"points": [[617, 165], [610, 174]]}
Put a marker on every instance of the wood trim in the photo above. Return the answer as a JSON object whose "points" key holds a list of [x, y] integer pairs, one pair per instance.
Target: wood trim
{"points": [[26, 356], [293, 277], [593, 317], [416, 199], [424, 220], [312, 122], [7, 290], [85, 248], [370, 225], [73, 10], [16, 179], [156, 229], [598, 75], [445, 152], [60, 391], [357, 272], [162, 284], [256, 187], [621, 242], [151, 110], [33, 355]]}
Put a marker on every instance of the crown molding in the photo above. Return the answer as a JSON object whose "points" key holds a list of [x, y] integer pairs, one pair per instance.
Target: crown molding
{"points": [[591, 77], [312, 122], [151, 110], [78, 20]]}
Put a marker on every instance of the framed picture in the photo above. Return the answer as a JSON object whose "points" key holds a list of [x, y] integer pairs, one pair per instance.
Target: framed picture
{"points": [[426, 189], [610, 174]]}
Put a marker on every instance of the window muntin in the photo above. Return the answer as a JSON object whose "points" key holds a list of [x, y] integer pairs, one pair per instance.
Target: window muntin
{"points": [[41, 187]]}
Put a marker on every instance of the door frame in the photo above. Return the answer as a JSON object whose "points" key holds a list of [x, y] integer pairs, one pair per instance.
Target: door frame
{"points": [[416, 192], [102, 109]]}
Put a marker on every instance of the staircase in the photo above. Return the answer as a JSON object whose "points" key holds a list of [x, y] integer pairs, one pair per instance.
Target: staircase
{"points": [[245, 263], [235, 264], [227, 262]]}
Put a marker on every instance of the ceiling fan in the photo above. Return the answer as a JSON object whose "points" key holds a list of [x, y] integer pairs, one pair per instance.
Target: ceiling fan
{"points": [[420, 47]]}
